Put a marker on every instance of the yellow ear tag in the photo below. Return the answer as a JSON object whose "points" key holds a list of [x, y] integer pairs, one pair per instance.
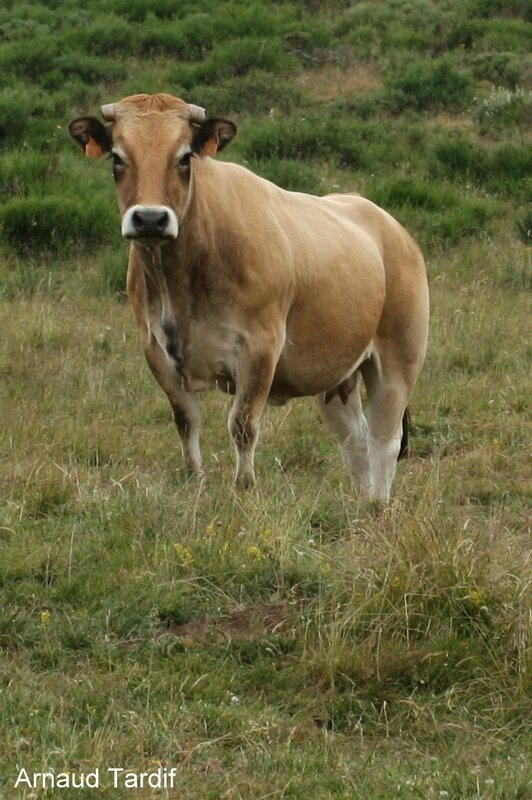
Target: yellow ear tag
{"points": [[93, 149]]}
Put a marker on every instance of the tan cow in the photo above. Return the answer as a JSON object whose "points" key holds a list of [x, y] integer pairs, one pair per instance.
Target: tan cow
{"points": [[266, 294]]}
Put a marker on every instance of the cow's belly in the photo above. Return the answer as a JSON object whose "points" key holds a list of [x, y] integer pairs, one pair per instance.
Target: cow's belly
{"points": [[312, 370], [327, 338]]}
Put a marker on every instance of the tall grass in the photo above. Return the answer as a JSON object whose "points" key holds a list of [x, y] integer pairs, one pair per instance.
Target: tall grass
{"points": [[291, 642]]}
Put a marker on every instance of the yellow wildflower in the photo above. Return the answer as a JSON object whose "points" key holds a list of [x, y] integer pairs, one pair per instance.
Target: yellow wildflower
{"points": [[477, 598], [186, 555], [267, 535], [256, 553], [45, 617]]}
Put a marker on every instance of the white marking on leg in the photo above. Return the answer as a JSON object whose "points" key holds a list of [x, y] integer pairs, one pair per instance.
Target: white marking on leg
{"points": [[348, 424], [383, 462]]}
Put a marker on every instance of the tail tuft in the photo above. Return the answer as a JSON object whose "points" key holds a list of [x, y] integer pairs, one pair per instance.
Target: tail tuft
{"points": [[403, 450]]}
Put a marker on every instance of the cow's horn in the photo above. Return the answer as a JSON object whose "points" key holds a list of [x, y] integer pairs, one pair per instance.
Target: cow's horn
{"points": [[196, 114], [109, 112]]}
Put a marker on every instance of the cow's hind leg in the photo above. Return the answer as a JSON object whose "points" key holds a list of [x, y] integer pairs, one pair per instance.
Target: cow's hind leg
{"points": [[185, 407], [345, 418], [388, 385]]}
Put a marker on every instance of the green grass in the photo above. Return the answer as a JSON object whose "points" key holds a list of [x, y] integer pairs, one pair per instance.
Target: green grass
{"points": [[292, 642]]}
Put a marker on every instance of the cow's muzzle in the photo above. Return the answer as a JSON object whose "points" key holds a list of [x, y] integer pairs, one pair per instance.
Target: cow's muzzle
{"points": [[149, 224]]}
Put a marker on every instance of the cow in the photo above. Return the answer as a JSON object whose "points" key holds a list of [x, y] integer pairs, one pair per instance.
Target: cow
{"points": [[266, 294]]}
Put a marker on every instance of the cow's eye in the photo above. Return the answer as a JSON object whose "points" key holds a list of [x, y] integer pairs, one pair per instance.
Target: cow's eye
{"points": [[117, 161], [184, 161]]}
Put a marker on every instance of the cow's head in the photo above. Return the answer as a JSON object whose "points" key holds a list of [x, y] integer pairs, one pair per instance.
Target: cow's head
{"points": [[153, 141]]}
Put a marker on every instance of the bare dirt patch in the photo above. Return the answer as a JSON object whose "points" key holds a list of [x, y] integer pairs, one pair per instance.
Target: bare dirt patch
{"points": [[253, 622]]}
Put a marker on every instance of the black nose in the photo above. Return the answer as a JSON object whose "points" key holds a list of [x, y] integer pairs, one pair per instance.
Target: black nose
{"points": [[150, 221]]}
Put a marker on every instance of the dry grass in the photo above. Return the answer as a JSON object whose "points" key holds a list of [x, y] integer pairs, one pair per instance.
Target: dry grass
{"points": [[291, 630], [334, 81]]}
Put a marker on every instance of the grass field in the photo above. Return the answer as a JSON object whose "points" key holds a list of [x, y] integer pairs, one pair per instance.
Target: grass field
{"points": [[292, 642]]}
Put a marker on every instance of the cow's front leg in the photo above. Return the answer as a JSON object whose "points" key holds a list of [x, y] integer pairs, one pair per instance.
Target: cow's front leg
{"points": [[185, 405], [251, 394]]}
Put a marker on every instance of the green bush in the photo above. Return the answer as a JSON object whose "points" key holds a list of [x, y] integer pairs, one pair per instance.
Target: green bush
{"points": [[113, 266], [54, 224], [400, 24], [25, 111], [466, 217], [503, 170], [107, 36], [307, 139], [21, 173], [254, 93], [138, 10], [21, 29], [489, 8], [524, 227], [504, 109], [90, 69], [198, 36], [401, 190], [504, 69], [27, 58], [427, 84], [291, 175], [236, 58], [347, 141], [156, 38], [435, 213], [506, 34], [459, 156]]}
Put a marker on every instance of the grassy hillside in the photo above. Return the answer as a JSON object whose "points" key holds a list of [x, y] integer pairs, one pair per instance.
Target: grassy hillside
{"points": [[292, 642]]}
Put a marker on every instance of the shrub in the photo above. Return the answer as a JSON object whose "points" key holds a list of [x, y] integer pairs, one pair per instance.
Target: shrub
{"points": [[504, 108], [24, 111], [504, 69], [54, 224], [402, 190], [251, 20], [524, 227], [236, 58], [91, 69], [435, 213], [489, 8], [504, 170], [254, 93], [156, 38], [506, 34], [460, 156], [427, 84], [309, 139], [402, 24], [291, 175], [22, 172], [466, 217], [138, 10], [349, 142], [107, 36], [198, 35], [113, 266], [16, 29], [27, 58]]}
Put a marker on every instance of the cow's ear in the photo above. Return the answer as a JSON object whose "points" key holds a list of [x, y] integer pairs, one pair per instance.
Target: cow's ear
{"points": [[212, 136], [92, 136]]}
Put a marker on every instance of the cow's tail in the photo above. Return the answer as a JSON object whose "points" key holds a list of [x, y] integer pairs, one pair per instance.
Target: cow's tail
{"points": [[403, 450]]}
